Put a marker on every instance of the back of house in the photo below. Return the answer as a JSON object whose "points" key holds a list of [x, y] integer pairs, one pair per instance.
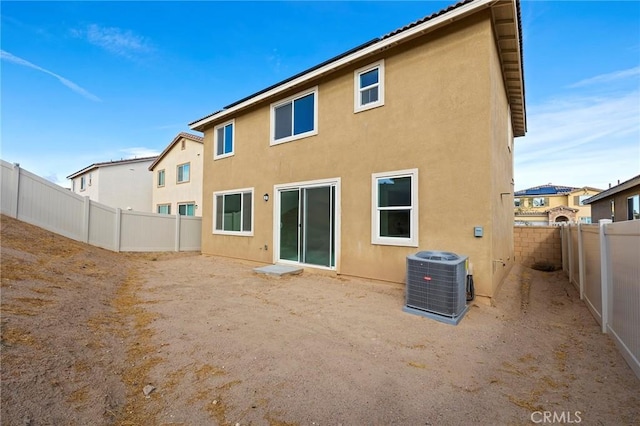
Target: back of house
{"points": [[400, 145]]}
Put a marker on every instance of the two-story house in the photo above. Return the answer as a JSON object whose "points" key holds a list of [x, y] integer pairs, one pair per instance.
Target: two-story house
{"points": [[618, 203], [402, 144], [177, 186], [124, 184], [550, 204]]}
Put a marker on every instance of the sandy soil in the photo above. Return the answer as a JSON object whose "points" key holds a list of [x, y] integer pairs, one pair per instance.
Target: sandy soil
{"points": [[85, 332]]}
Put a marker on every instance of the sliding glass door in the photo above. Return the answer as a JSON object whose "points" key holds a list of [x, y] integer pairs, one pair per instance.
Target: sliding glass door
{"points": [[307, 225]]}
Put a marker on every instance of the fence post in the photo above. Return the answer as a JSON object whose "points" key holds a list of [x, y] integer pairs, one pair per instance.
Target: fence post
{"points": [[581, 266], [85, 219], [605, 281], [15, 180], [117, 236], [570, 253], [177, 242]]}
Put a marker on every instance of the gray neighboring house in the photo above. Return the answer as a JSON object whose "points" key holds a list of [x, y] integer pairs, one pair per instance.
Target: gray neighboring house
{"points": [[618, 203], [127, 184]]}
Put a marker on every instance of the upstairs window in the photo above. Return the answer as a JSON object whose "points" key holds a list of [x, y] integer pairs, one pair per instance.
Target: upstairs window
{"points": [[516, 202], [83, 183], [539, 202], [161, 177], [369, 87], [580, 199], [224, 136], [183, 173], [295, 118]]}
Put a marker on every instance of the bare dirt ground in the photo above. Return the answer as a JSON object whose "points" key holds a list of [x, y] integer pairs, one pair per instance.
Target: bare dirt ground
{"points": [[84, 331]]}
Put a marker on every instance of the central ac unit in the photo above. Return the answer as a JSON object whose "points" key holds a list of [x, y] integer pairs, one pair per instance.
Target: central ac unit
{"points": [[436, 285]]}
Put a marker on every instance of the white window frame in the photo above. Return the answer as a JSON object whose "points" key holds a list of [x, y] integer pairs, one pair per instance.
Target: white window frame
{"points": [[215, 210], [83, 183], [232, 123], [162, 173], [188, 163], [357, 90], [168, 205], [412, 241], [630, 200], [187, 203], [291, 99]]}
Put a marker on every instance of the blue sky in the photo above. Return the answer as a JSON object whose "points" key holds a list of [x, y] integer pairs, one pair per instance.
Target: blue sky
{"points": [[85, 82]]}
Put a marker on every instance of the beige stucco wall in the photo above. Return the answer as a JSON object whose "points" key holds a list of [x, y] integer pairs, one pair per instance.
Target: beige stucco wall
{"points": [[440, 116], [173, 192], [501, 257], [585, 210]]}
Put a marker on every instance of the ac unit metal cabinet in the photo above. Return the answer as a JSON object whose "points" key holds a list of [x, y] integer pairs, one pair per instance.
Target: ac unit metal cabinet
{"points": [[436, 285]]}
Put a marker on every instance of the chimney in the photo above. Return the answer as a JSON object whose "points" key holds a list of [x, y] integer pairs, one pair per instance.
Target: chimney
{"points": [[609, 184]]}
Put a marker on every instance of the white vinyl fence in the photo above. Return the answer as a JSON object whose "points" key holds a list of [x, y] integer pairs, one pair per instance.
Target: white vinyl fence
{"points": [[603, 262], [35, 200]]}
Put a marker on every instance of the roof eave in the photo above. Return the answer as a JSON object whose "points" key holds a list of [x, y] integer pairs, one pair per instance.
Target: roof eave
{"points": [[194, 138], [109, 163], [630, 183]]}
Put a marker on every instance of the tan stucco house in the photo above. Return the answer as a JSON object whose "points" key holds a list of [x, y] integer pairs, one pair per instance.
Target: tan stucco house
{"points": [[399, 145], [177, 181], [124, 184], [550, 204]]}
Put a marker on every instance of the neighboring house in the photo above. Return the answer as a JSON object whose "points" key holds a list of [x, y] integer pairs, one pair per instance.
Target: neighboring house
{"points": [[124, 184], [618, 203], [177, 185], [552, 204], [400, 145]]}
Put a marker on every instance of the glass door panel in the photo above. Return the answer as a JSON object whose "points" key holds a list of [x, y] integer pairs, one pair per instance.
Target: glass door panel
{"points": [[317, 226], [289, 229], [307, 225]]}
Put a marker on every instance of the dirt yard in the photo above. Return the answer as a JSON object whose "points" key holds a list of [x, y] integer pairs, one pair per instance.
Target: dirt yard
{"points": [[95, 337]]}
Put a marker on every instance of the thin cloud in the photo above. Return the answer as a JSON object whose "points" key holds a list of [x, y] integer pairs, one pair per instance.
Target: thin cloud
{"points": [[115, 40], [139, 152], [608, 78], [4, 55], [580, 141]]}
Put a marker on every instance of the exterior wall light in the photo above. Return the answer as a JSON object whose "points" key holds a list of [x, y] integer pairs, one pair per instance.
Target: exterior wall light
{"points": [[265, 197]]}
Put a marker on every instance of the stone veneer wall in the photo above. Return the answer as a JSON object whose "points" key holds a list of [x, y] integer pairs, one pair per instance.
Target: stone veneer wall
{"points": [[535, 244]]}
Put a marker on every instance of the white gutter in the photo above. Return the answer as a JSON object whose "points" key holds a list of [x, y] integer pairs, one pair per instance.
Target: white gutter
{"points": [[429, 25]]}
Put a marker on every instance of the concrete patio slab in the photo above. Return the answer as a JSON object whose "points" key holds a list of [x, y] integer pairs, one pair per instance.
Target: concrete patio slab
{"points": [[278, 270]]}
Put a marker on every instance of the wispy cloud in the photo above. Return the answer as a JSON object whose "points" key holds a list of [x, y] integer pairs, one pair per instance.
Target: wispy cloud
{"points": [[275, 61], [138, 152], [6, 56], [115, 40], [583, 140], [608, 78]]}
